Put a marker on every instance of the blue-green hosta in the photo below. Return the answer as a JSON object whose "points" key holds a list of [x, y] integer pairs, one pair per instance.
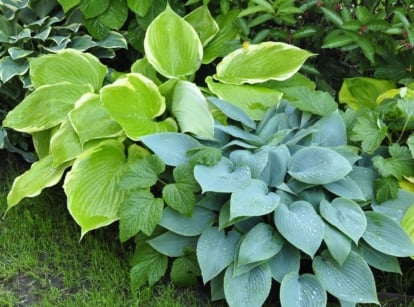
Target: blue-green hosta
{"points": [[241, 198]]}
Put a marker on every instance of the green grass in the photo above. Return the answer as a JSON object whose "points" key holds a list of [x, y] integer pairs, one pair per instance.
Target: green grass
{"points": [[42, 262]]}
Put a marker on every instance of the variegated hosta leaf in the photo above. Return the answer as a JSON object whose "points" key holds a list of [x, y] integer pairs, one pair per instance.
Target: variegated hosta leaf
{"points": [[172, 46], [92, 185], [135, 103], [204, 24], [260, 63], [68, 65], [64, 144]]}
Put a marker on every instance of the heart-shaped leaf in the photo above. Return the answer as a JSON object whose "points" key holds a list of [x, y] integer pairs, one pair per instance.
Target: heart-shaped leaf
{"points": [[287, 260], [338, 244]]}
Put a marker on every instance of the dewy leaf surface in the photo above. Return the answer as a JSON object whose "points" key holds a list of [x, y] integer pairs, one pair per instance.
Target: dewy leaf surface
{"points": [[92, 186], [285, 261], [260, 63], [177, 54]]}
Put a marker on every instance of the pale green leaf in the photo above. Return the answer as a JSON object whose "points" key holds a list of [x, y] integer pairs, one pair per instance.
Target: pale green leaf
{"points": [[172, 244], [58, 99], [190, 109], [253, 100], [286, 260], [300, 225], [91, 186], [89, 109], [387, 236], [135, 103], [407, 222], [302, 291], [64, 144], [68, 65], [346, 215], [254, 199], [215, 251], [352, 281], [260, 63], [42, 174], [203, 23], [318, 165], [140, 211], [177, 54], [250, 289]]}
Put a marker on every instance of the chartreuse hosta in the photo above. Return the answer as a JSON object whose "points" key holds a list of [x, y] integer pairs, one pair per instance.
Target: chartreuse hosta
{"points": [[250, 195]]}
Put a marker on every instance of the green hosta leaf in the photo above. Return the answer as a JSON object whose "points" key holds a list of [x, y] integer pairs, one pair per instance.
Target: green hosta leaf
{"points": [[261, 243], [379, 260], [10, 68], [68, 65], [92, 186], [172, 245], [42, 174], [135, 102], [286, 261], [346, 188], [58, 99], [171, 147], [302, 290], [387, 236], [346, 215], [223, 177], [68, 4], [64, 144], [96, 28], [177, 54], [318, 165], [250, 289], [142, 173], [338, 244], [300, 225], [407, 222], [363, 92], [254, 199], [400, 163], [215, 251], [140, 7], [203, 23], [190, 109], [140, 211], [232, 111], [316, 102], [253, 100], [260, 63], [149, 267], [187, 226], [352, 281], [91, 9], [184, 271], [89, 109], [115, 15]]}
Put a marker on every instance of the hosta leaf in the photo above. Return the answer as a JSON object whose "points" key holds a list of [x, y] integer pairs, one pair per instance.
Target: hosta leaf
{"points": [[204, 24], [140, 7], [149, 266], [172, 245], [254, 199], [88, 109], [68, 65], [338, 244], [379, 260], [261, 62], [395, 208], [171, 147], [364, 177], [276, 168], [190, 109], [223, 177], [260, 243], [346, 188], [42, 174], [286, 260], [250, 289], [29, 115], [68, 4], [92, 186], [316, 102], [253, 100], [135, 103], [115, 15], [240, 134], [407, 222], [64, 144], [256, 161], [300, 225], [208, 156], [387, 236], [184, 271], [187, 226], [177, 54], [91, 9], [302, 290], [352, 281], [215, 251], [232, 111], [318, 165], [346, 215], [140, 211], [331, 131], [10, 68]]}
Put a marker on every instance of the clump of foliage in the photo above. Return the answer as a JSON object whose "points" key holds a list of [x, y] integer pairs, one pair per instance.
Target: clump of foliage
{"points": [[244, 182]]}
